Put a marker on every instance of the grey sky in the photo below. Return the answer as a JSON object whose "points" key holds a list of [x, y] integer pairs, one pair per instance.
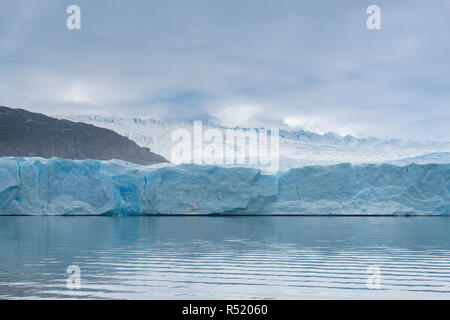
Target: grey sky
{"points": [[313, 64]]}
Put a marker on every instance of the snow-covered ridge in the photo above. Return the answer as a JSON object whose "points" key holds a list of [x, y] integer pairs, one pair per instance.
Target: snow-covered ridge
{"points": [[36, 186], [297, 148]]}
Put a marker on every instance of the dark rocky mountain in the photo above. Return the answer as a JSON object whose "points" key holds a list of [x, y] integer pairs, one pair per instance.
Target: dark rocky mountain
{"points": [[28, 134]]}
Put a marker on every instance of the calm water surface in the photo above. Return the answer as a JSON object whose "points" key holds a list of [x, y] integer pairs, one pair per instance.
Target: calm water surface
{"points": [[225, 257]]}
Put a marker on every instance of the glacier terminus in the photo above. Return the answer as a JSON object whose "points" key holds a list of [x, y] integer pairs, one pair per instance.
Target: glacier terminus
{"points": [[37, 186]]}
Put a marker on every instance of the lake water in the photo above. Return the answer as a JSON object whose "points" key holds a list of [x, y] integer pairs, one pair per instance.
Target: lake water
{"points": [[226, 257]]}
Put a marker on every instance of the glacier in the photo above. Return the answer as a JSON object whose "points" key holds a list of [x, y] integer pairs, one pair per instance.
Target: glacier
{"points": [[36, 186], [297, 148]]}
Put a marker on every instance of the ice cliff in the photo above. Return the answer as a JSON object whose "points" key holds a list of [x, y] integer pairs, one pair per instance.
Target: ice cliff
{"points": [[36, 186]]}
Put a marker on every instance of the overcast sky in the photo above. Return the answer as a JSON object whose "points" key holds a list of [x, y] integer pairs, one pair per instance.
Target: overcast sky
{"points": [[313, 64]]}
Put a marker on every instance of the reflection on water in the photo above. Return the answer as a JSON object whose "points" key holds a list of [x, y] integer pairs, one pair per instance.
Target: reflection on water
{"points": [[225, 257]]}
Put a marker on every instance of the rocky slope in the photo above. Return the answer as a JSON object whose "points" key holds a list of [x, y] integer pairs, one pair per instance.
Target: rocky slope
{"points": [[28, 134]]}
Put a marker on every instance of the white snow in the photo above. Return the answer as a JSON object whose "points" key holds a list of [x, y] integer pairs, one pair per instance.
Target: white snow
{"points": [[297, 148]]}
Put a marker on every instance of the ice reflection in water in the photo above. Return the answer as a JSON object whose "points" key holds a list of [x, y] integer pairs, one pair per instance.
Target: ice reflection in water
{"points": [[225, 257]]}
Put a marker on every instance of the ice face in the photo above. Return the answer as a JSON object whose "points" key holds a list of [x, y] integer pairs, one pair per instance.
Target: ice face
{"points": [[367, 189], [35, 186]]}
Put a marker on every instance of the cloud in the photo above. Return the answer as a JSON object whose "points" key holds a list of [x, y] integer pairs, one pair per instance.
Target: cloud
{"points": [[322, 125], [312, 63], [240, 115]]}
